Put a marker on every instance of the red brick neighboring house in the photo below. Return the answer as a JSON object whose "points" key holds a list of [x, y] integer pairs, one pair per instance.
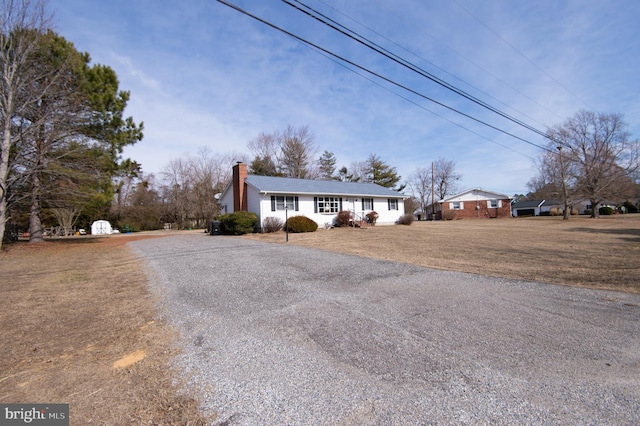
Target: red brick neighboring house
{"points": [[474, 203]]}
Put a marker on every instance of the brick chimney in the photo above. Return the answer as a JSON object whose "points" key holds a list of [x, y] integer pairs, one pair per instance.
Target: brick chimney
{"points": [[239, 187]]}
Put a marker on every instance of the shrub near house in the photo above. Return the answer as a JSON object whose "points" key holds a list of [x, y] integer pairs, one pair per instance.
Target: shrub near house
{"points": [[272, 224], [297, 224], [238, 223]]}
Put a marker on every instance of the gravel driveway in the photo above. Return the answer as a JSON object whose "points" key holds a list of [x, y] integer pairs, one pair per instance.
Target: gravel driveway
{"points": [[278, 334]]}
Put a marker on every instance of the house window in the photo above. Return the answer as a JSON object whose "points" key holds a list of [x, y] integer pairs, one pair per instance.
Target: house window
{"points": [[280, 202], [393, 203], [494, 204], [367, 204], [456, 205], [328, 204]]}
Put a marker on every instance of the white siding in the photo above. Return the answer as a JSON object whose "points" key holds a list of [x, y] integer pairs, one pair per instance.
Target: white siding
{"points": [[253, 202], [306, 207], [226, 202]]}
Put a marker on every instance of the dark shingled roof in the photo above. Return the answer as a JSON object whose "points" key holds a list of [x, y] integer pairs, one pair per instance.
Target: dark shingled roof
{"points": [[527, 204], [319, 187]]}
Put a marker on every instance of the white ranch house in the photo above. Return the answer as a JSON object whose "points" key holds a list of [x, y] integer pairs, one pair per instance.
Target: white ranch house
{"points": [[319, 200]]}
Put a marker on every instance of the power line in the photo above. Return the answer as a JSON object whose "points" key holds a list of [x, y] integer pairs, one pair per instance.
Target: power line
{"points": [[520, 53], [399, 60], [417, 104], [290, 34], [515, 89]]}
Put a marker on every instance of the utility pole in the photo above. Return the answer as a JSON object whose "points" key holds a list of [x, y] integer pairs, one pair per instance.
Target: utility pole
{"points": [[433, 192], [565, 214]]}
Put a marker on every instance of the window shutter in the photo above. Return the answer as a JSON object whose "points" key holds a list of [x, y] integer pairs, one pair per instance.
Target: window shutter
{"points": [[295, 201], [340, 203], [315, 204], [273, 203], [388, 204]]}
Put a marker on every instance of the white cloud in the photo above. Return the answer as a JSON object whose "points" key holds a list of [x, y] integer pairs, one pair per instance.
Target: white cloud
{"points": [[135, 73], [203, 74]]}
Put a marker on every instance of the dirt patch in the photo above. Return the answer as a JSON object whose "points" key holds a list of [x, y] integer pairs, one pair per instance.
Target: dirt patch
{"points": [[596, 253], [72, 308], [130, 359]]}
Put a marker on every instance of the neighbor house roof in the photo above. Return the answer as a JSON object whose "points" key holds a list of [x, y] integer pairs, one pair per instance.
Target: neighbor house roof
{"points": [[476, 192], [280, 185], [528, 204]]}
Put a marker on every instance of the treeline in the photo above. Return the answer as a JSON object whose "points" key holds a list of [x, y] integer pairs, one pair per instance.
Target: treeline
{"points": [[184, 193], [63, 128], [64, 131], [590, 156]]}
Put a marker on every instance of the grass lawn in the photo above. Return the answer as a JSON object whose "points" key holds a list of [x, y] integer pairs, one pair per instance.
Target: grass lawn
{"points": [[597, 253], [79, 326]]}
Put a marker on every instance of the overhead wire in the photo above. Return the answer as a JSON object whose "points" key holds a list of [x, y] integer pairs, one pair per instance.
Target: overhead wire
{"points": [[381, 77], [403, 62], [442, 117], [515, 49], [440, 42]]}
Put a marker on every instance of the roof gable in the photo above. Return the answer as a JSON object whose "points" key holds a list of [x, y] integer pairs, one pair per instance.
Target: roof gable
{"points": [[271, 184], [476, 194]]}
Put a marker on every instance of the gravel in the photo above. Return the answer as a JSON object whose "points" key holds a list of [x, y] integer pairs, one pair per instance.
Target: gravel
{"points": [[278, 334]]}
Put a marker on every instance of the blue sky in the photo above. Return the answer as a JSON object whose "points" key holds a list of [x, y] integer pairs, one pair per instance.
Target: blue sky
{"points": [[203, 75]]}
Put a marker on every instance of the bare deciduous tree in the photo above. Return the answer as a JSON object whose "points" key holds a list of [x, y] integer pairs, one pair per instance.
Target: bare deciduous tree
{"points": [[420, 185], [289, 153], [265, 149], [66, 217], [600, 157], [297, 151], [190, 185], [22, 22], [555, 179], [445, 178], [177, 187], [358, 171]]}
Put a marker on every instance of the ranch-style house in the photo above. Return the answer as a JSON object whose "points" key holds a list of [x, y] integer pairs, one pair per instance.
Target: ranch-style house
{"points": [[474, 203], [319, 200]]}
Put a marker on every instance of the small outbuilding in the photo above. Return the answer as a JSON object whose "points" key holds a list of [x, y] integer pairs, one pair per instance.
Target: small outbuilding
{"points": [[101, 227], [527, 208]]}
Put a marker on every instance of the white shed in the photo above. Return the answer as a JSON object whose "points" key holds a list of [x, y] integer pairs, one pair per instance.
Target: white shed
{"points": [[101, 227]]}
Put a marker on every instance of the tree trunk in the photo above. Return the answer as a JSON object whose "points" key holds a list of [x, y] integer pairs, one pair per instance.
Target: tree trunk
{"points": [[36, 234], [4, 169], [594, 209]]}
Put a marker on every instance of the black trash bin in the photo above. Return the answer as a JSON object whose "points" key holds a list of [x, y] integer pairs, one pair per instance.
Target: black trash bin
{"points": [[215, 227]]}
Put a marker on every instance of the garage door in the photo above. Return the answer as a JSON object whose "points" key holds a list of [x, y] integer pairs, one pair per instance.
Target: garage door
{"points": [[526, 212]]}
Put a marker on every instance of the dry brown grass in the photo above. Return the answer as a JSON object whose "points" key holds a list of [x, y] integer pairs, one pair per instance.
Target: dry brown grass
{"points": [[72, 308], [597, 253]]}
